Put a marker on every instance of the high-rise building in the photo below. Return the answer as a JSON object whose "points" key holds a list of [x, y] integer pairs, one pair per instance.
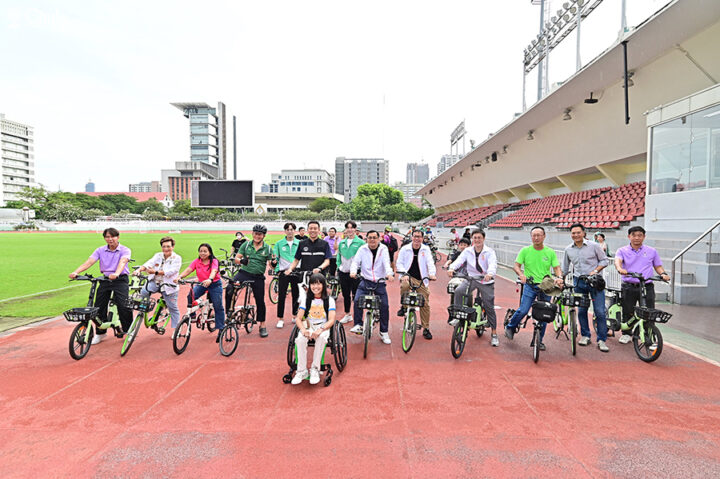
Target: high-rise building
{"points": [[302, 181], [89, 187], [446, 162], [145, 187], [18, 159], [409, 191], [417, 173], [358, 171]]}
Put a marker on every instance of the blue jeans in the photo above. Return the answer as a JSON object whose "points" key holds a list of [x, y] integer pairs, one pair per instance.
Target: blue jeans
{"points": [[170, 300], [598, 299], [529, 294], [214, 292], [362, 290]]}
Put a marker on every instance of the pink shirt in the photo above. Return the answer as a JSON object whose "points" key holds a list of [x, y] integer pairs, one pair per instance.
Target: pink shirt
{"points": [[203, 270]]}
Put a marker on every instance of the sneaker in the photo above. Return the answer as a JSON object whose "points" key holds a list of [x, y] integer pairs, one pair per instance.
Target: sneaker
{"points": [[97, 338], [542, 347], [314, 376], [280, 324], [385, 337], [401, 312], [603, 347], [299, 377], [584, 341], [357, 329], [427, 334], [624, 339], [263, 333], [509, 333], [346, 319], [494, 341]]}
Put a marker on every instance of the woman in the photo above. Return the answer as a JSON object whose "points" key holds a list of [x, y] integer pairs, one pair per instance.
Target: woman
{"points": [[163, 269], [315, 318], [332, 240], [206, 269], [600, 239]]}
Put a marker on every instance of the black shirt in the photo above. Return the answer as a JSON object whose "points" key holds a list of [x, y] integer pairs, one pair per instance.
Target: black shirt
{"points": [[312, 253], [298, 237], [414, 270], [236, 244]]}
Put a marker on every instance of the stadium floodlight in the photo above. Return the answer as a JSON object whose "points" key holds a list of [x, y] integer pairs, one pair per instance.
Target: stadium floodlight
{"points": [[567, 116], [591, 100]]}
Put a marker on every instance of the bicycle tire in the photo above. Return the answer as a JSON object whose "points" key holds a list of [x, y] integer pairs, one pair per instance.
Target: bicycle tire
{"points": [[291, 361], [274, 290], [559, 320], [230, 336], [367, 331], [409, 330], [132, 333], [162, 321], [508, 314], [536, 344], [480, 330], [340, 346], [457, 342], [649, 350], [249, 321], [77, 338], [210, 321], [181, 335], [572, 328]]}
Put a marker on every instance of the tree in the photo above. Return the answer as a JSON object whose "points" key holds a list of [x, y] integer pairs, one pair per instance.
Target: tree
{"points": [[150, 205], [92, 213], [324, 203], [63, 211], [385, 195], [120, 202], [182, 207], [152, 215]]}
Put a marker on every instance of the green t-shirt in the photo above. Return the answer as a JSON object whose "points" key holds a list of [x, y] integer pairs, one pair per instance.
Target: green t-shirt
{"points": [[257, 260], [537, 264]]}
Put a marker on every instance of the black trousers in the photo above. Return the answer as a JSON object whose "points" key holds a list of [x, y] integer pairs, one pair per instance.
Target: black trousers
{"points": [[258, 289], [631, 294], [349, 287], [332, 268], [119, 289], [283, 282]]}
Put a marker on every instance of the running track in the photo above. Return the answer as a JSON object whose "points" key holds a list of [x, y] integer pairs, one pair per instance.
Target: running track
{"points": [[425, 414]]}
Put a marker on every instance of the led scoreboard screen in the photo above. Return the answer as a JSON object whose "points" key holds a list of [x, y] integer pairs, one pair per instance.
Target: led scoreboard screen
{"points": [[222, 194]]}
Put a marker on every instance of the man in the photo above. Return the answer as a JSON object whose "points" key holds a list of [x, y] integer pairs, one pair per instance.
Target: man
{"points": [[313, 252], [333, 240], [301, 234], [462, 244], [538, 261], [113, 265], [239, 240], [416, 260], [253, 257], [390, 242], [587, 259], [373, 261], [481, 264], [346, 251], [163, 269], [284, 250], [454, 235], [637, 258]]}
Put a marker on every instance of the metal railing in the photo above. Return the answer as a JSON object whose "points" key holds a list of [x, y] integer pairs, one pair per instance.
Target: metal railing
{"points": [[681, 254]]}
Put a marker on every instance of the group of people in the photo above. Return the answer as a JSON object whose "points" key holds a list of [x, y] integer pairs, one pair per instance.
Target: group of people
{"points": [[364, 266]]}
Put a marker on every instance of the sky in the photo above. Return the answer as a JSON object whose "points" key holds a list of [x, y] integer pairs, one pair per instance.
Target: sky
{"points": [[308, 81]]}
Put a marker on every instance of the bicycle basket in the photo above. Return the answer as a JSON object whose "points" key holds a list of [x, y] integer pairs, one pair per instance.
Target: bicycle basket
{"points": [[453, 285], [81, 314], [413, 299], [650, 314], [140, 303], [462, 312], [581, 301], [544, 311], [370, 301]]}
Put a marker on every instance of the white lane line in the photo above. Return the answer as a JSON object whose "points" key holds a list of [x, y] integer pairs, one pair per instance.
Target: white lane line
{"points": [[41, 292]]}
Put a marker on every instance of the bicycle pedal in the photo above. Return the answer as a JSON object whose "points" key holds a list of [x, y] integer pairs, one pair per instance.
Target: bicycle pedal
{"points": [[160, 331]]}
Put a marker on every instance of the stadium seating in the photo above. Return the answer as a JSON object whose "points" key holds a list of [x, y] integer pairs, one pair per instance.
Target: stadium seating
{"points": [[608, 210]]}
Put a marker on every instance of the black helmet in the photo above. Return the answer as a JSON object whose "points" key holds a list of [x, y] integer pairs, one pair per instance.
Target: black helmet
{"points": [[597, 282], [260, 229]]}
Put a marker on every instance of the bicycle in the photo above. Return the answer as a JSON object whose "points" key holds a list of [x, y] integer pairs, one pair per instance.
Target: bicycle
{"points": [[143, 305], [82, 335], [542, 312], [243, 315], [411, 301], [451, 243], [370, 303], [274, 286], [466, 317], [333, 283], [228, 268], [204, 317], [567, 304]]}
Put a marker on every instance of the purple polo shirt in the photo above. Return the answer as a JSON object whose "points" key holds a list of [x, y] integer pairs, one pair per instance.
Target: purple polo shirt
{"points": [[641, 261], [109, 259]]}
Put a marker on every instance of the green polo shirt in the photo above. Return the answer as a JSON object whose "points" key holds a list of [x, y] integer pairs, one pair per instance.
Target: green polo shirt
{"points": [[537, 263], [257, 259], [285, 253]]}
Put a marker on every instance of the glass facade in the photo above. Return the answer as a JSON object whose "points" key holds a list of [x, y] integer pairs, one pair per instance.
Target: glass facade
{"points": [[685, 153]]}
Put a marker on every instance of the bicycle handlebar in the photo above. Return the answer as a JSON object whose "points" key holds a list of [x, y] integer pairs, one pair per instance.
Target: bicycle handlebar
{"points": [[644, 279]]}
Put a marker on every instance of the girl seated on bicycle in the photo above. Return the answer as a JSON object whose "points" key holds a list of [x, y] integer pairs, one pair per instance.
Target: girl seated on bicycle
{"points": [[316, 316]]}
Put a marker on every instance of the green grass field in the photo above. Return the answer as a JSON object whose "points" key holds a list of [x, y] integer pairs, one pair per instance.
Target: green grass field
{"points": [[37, 262]]}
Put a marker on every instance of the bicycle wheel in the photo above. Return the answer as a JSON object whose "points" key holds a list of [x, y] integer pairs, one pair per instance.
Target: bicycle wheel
{"points": [[274, 290], [228, 340], [367, 331], [249, 320], [572, 329], [81, 340], [132, 333], [181, 336], [457, 342], [650, 348], [409, 330], [291, 360], [210, 321], [536, 344], [508, 314], [163, 318], [340, 344], [480, 330], [558, 321]]}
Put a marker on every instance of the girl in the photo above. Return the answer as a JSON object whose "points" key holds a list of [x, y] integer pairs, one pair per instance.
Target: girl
{"points": [[315, 317], [206, 268]]}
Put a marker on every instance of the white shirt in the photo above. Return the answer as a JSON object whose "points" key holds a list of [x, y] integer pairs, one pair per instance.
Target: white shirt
{"points": [[425, 261], [369, 269], [170, 266], [487, 260]]}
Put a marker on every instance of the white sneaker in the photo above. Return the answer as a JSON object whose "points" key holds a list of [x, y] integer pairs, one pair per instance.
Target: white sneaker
{"points": [[624, 339], [98, 338], [357, 329], [494, 341], [299, 377], [346, 319], [584, 341], [280, 323], [385, 337], [314, 376]]}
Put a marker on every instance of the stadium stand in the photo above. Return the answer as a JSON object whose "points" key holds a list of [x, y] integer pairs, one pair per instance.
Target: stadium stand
{"points": [[608, 210]]}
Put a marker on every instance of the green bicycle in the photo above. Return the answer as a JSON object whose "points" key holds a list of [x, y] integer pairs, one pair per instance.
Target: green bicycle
{"points": [[157, 320], [464, 318], [568, 302], [411, 302]]}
